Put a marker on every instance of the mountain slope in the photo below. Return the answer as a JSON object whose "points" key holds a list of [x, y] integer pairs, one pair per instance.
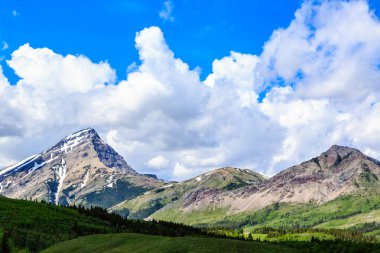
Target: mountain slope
{"points": [[29, 226], [211, 183], [340, 171], [80, 169], [159, 244]]}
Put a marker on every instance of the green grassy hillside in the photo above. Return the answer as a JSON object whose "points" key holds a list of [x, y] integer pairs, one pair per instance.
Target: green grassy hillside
{"points": [[224, 179], [34, 226], [37, 225], [343, 212], [128, 242], [27, 226], [156, 244]]}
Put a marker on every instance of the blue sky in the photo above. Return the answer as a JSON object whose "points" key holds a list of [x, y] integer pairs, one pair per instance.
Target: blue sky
{"points": [[105, 30], [253, 84]]}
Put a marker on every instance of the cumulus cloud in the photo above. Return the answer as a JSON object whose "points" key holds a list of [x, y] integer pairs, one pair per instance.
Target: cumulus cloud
{"points": [[181, 172], [58, 94], [158, 162], [44, 71], [166, 12], [317, 79], [324, 68]]}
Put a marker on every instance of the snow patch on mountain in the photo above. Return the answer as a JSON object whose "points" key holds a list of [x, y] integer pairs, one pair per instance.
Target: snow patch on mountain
{"points": [[7, 184], [86, 177], [36, 166], [75, 139], [19, 165], [60, 174], [111, 181]]}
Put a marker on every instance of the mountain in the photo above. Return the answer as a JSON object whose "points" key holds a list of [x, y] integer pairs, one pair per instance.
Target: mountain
{"points": [[333, 198], [336, 172], [81, 169], [340, 171], [186, 193]]}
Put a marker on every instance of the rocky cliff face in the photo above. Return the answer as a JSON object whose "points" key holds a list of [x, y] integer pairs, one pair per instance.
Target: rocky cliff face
{"points": [[80, 169]]}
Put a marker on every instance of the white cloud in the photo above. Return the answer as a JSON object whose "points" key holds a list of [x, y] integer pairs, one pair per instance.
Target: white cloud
{"points": [[321, 76], [58, 94], [329, 55], [158, 162], [181, 172], [166, 12], [44, 71], [15, 13], [327, 50], [5, 46]]}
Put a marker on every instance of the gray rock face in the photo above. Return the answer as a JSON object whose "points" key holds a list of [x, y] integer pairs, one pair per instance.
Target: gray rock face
{"points": [[81, 168]]}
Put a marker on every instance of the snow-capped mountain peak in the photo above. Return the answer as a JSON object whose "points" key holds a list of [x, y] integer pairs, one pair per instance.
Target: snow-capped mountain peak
{"points": [[72, 140], [81, 168]]}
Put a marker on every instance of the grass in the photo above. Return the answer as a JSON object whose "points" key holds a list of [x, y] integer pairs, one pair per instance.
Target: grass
{"points": [[375, 233], [44, 218], [353, 220], [200, 218], [299, 237], [276, 215], [343, 212], [36, 225], [136, 243], [32, 226]]}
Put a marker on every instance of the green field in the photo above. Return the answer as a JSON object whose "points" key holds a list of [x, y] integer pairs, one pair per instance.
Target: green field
{"points": [[372, 216], [129, 242], [299, 237], [346, 212]]}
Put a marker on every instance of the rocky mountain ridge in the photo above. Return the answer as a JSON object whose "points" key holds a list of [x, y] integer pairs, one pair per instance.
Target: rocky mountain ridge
{"points": [[214, 182], [338, 171]]}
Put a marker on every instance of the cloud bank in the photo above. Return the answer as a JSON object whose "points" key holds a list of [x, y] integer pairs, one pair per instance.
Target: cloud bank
{"points": [[315, 84]]}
